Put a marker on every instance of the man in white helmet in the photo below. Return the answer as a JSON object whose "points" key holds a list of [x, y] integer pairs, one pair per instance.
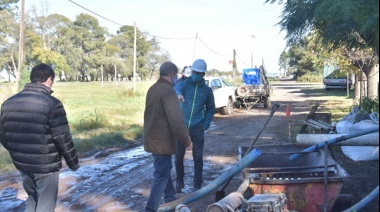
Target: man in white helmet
{"points": [[198, 108], [186, 72]]}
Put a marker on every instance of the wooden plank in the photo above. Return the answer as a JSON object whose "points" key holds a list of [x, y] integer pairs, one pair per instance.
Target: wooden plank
{"points": [[310, 116]]}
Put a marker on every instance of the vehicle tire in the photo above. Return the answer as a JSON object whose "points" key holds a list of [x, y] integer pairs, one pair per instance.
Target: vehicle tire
{"points": [[242, 91], [227, 110], [266, 102], [237, 104]]}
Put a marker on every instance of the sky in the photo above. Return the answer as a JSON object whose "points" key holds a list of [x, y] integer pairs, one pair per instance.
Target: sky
{"points": [[220, 26]]}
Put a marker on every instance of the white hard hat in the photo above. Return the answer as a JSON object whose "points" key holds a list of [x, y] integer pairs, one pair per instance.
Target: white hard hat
{"points": [[199, 66], [187, 72]]}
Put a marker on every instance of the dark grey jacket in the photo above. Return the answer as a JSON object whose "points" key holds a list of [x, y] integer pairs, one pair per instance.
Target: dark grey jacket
{"points": [[35, 131]]}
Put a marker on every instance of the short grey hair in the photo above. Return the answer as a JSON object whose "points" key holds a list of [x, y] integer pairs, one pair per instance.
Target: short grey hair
{"points": [[167, 68]]}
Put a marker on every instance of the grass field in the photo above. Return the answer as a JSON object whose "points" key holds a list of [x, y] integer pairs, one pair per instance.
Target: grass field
{"points": [[103, 116], [99, 116], [111, 115], [333, 101]]}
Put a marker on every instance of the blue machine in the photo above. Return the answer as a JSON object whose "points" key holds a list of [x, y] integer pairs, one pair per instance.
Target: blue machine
{"points": [[251, 76]]}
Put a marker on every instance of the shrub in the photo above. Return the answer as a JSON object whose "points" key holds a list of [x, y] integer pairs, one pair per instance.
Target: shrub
{"points": [[310, 77], [368, 104], [91, 121]]}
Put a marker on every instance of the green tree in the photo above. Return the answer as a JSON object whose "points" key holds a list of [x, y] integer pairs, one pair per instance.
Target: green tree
{"points": [[350, 22], [89, 37], [63, 44], [346, 24], [44, 36], [125, 41], [7, 4], [303, 59], [155, 57], [125, 54], [283, 62], [9, 36], [77, 48]]}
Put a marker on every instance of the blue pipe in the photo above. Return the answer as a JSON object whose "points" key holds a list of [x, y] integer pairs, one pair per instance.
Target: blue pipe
{"points": [[333, 141], [241, 164], [365, 201]]}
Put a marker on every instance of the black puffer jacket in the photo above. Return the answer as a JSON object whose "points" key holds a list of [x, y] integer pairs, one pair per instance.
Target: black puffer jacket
{"points": [[35, 131]]}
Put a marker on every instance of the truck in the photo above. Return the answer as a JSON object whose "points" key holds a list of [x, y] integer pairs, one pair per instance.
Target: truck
{"points": [[224, 94], [255, 88], [334, 78]]}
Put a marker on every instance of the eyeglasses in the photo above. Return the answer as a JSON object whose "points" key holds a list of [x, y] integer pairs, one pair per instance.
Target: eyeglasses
{"points": [[198, 73]]}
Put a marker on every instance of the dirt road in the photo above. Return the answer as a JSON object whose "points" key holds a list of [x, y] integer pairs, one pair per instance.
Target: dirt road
{"points": [[120, 180]]}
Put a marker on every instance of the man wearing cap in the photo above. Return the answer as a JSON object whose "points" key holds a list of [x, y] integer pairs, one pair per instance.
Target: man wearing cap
{"points": [[163, 124], [198, 108]]}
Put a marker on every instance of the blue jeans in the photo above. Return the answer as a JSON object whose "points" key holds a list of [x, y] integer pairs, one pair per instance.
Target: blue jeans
{"points": [[198, 139], [42, 190], [162, 182]]}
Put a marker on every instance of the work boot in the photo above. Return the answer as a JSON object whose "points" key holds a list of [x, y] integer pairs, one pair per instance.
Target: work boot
{"points": [[197, 186], [179, 186]]}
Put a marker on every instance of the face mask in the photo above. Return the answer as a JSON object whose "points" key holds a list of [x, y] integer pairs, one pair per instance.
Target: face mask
{"points": [[174, 79], [196, 78]]}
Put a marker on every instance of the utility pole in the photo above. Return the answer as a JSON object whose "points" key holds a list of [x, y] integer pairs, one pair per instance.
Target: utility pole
{"points": [[21, 44], [115, 75], [234, 68], [195, 42], [134, 62], [253, 37], [101, 71]]}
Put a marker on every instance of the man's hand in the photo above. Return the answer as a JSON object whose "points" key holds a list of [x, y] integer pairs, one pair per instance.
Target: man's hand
{"points": [[180, 98], [74, 168], [190, 147]]}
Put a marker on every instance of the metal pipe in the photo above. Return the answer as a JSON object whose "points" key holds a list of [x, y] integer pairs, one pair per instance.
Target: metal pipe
{"points": [[274, 109], [244, 185], [182, 208], [312, 139], [333, 141], [365, 201], [244, 162], [229, 203]]}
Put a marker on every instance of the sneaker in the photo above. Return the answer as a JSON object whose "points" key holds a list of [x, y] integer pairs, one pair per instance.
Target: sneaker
{"points": [[179, 186]]}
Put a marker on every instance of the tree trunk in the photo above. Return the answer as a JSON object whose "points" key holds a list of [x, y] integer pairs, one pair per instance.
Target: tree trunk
{"points": [[373, 81], [363, 85], [357, 86]]}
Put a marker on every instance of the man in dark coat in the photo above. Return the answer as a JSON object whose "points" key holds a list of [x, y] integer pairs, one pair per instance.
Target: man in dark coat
{"points": [[163, 124], [35, 131]]}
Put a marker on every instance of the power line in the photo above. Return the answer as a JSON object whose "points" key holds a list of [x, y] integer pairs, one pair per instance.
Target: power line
{"points": [[122, 24], [95, 13], [172, 38], [149, 34], [240, 58], [210, 48]]}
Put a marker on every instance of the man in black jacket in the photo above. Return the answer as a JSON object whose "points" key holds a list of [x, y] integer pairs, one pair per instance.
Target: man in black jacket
{"points": [[35, 131]]}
